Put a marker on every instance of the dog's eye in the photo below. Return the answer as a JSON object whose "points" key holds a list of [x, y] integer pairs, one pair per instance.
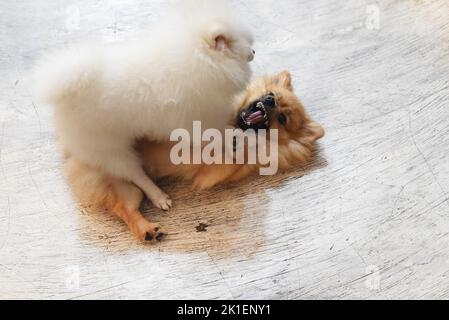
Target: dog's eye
{"points": [[282, 119]]}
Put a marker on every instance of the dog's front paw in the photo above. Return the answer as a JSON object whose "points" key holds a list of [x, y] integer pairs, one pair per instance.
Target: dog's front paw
{"points": [[161, 201]]}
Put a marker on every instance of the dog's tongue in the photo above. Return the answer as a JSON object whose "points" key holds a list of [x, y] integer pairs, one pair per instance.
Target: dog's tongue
{"points": [[255, 118]]}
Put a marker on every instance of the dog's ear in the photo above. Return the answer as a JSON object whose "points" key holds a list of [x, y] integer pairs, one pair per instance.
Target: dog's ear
{"points": [[284, 79], [314, 131], [221, 43], [218, 38]]}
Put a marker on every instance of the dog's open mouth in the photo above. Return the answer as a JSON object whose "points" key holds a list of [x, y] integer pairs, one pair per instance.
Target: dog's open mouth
{"points": [[256, 117], [258, 114]]}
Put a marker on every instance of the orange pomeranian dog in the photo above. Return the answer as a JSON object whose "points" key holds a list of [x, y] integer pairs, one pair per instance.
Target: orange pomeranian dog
{"points": [[268, 103]]}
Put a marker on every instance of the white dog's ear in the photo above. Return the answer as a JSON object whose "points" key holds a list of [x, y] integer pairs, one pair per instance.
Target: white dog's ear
{"points": [[221, 43], [218, 38]]}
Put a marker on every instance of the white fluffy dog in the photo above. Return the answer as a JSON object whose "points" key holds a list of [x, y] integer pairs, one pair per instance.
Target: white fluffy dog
{"points": [[107, 96]]}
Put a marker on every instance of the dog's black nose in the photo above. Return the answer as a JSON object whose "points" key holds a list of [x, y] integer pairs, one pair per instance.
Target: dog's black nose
{"points": [[269, 100]]}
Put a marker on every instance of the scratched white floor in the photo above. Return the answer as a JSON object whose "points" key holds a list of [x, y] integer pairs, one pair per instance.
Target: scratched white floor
{"points": [[370, 219]]}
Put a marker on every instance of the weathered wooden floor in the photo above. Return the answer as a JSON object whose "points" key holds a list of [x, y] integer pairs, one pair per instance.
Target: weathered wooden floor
{"points": [[369, 219]]}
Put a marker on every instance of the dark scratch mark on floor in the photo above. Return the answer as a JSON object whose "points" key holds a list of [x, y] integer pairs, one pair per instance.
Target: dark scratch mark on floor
{"points": [[221, 275]]}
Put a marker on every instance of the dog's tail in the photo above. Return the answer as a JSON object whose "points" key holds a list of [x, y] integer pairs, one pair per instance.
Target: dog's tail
{"points": [[63, 75]]}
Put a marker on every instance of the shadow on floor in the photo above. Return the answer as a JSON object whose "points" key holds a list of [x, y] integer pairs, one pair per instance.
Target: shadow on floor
{"points": [[228, 220]]}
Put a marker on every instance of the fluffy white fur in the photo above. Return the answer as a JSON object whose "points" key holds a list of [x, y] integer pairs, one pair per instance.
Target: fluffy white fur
{"points": [[107, 96]]}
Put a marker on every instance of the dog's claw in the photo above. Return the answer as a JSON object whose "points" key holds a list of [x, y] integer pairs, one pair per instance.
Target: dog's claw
{"points": [[166, 205], [163, 202]]}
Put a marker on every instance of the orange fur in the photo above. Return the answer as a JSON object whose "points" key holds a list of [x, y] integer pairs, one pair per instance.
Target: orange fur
{"points": [[296, 143]]}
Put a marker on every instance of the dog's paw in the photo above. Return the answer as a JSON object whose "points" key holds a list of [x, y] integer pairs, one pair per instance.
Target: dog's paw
{"points": [[149, 232], [162, 201]]}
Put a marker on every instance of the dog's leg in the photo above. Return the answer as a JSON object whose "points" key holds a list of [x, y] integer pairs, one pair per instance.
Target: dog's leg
{"points": [[159, 198], [243, 172], [95, 188], [125, 164], [212, 175], [126, 205]]}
